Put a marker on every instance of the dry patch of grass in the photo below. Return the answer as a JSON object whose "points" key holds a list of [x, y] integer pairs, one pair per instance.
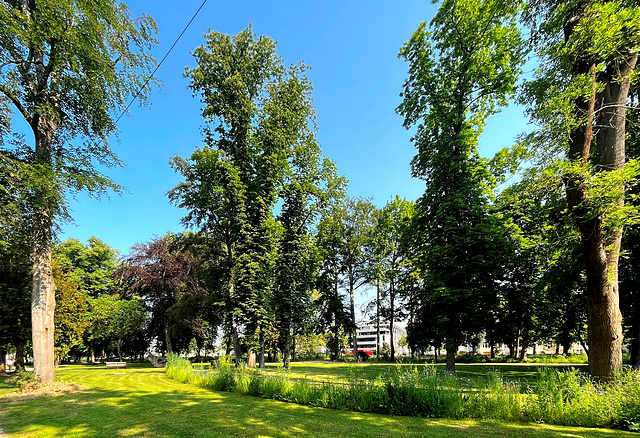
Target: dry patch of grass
{"points": [[52, 389]]}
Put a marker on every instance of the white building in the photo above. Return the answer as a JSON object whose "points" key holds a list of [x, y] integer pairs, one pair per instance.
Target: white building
{"points": [[366, 336]]}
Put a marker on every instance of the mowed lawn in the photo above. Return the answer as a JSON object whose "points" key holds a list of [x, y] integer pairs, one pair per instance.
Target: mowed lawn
{"points": [[340, 371], [143, 402]]}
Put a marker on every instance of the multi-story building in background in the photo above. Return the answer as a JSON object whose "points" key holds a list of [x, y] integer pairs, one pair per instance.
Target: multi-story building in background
{"points": [[366, 335]]}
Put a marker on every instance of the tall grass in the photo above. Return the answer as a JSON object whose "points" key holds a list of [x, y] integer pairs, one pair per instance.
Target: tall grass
{"points": [[555, 397]]}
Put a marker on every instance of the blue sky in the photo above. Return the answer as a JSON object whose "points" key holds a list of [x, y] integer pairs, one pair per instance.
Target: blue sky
{"points": [[352, 49]]}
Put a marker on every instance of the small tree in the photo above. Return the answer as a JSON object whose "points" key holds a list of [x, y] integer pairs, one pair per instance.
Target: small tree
{"points": [[70, 317], [114, 319]]}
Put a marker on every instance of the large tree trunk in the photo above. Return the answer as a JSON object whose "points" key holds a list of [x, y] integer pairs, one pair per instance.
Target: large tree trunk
{"points": [[451, 357], [43, 301], [3, 360], [378, 319], [236, 341], [43, 211], [601, 246], [19, 360], [118, 346], [293, 345], [634, 360], [261, 363], [167, 338], [525, 337]]}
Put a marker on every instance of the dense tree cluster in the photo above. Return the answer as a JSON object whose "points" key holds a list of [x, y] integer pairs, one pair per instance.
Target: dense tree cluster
{"points": [[276, 251]]}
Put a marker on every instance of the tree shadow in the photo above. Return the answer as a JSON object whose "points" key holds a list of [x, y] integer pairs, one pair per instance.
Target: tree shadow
{"points": [[169, 409]]}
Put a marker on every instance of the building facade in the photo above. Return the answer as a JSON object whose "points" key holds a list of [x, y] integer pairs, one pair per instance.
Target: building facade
{"points": [[366, 336]]}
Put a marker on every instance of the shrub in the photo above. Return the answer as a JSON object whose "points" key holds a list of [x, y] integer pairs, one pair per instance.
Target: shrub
{"points": [[26, 380]]}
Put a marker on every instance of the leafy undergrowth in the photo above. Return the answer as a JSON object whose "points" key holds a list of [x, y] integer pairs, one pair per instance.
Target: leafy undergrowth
{"points": [[552, 396]]}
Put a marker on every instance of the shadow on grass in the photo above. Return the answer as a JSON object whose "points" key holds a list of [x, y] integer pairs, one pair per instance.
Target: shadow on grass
{"points": [[146, 403]]}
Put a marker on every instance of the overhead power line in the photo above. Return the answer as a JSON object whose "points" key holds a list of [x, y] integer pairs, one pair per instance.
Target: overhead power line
{"points": [[135, 97]]}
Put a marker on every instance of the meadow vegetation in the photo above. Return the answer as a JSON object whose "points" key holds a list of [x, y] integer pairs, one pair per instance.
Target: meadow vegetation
{"points": [[551, 395]]}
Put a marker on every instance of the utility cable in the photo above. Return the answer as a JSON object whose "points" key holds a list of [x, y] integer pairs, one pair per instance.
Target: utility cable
{"points": [[135, 97]]}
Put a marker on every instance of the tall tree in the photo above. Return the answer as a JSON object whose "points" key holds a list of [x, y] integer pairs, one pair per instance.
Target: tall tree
{"points": [[354, 219], [333, 313], [113, 318], [66, 69], [260, 125], [309, 184], [234, 77], [462, 68], [391, 223], [589, 53]]}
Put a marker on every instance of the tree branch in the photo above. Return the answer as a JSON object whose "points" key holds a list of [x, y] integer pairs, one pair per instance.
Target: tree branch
{"points": [[16, 102]]}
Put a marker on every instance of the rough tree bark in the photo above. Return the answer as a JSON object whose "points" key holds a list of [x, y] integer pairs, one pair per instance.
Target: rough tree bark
{"points": [[601, 246], [43, 290], [286, 352]]}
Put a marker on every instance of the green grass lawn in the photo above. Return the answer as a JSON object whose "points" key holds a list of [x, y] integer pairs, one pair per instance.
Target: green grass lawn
{"points": [[5, 387], [340, 371], [143, 402]]}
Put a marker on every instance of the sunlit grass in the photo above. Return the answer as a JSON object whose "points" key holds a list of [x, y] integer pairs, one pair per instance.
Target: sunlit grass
{"points": [[143, 402], [341, 371], [5, 386]]}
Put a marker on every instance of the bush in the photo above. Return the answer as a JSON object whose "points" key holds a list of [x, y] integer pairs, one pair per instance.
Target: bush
{"points": [[26, 380]]}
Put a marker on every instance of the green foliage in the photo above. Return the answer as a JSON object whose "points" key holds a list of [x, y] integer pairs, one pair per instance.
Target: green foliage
{"points": [[26, 380], [588, 54], [260, 147], [91, 265], [15, 284], [462, 68], [113, 319], [67, 69], [552, 396], [59, 46], [70, 314]]}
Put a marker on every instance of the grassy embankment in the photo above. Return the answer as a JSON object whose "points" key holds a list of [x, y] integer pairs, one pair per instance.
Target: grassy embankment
{"points": [[144, 402]]}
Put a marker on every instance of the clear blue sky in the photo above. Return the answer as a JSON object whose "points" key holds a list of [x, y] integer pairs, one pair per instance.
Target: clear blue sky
{"points": [[352, 48]]}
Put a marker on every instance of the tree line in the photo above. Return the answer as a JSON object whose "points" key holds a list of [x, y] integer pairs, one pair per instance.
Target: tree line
{"points": [[276, 248]]}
